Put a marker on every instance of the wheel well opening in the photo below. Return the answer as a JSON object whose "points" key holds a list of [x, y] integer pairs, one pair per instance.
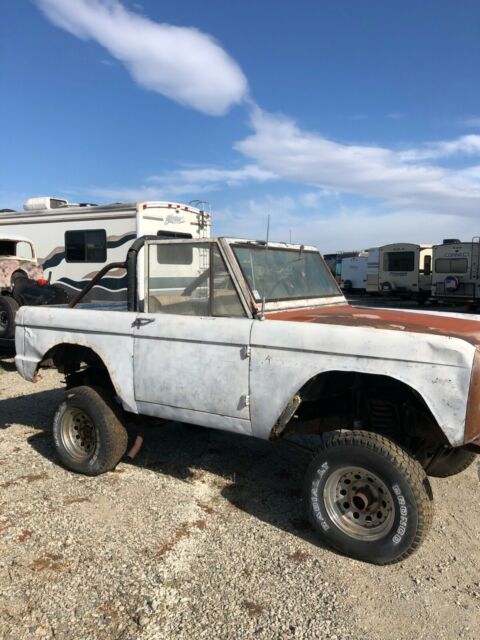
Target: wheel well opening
{"points": [[350, 400], [81, 366]]}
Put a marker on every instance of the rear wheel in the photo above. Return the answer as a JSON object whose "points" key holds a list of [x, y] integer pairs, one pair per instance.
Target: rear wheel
{"points": [[88, 436], [450, 462], [367, 497], [8, 310]]}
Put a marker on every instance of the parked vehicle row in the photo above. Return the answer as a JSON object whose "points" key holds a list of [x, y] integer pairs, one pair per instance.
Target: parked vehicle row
{"points": [[449, 272]]}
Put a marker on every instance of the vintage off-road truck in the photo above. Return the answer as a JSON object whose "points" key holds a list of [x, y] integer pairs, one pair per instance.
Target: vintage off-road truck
{"points": [[256, 338]]}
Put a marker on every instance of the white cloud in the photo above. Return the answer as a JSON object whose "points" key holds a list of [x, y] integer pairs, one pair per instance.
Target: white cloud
{"points": [[181, 63], [349, 228], [468, 145], [190, 182], [280, 146]]}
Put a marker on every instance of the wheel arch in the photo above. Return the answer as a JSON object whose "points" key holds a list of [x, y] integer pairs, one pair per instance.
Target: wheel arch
{"points": [[321, 386], [69, 358]]}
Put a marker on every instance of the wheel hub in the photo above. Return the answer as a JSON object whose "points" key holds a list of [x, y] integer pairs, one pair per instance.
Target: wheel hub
{"points": [[3, 319], [359, 503], [78, 434]]}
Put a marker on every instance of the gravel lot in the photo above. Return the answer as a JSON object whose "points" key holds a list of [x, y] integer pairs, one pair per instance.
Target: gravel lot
{"points": [[204, 537]]}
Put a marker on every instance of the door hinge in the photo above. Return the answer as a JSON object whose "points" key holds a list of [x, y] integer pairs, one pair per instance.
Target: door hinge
{"points": [[245, 400], [246, 352]]}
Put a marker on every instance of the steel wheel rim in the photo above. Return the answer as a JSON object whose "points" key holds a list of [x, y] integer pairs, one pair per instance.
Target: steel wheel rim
{"points": [[359, 503], [78, 434]]}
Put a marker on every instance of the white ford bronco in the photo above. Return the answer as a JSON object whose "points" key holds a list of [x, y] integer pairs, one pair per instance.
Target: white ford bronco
{"points": [[256, 338]]}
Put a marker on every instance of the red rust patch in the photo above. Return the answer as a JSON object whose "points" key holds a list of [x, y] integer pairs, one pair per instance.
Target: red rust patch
{"points": [[24, 535], [393, 320]]}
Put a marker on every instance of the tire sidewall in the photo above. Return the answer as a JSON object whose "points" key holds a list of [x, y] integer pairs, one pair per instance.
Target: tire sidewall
{"points": [[10, 307], [402, 533], [94, 464]]}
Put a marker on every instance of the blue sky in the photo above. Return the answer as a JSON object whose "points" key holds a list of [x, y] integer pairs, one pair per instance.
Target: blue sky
{"points": [[352, 123]]}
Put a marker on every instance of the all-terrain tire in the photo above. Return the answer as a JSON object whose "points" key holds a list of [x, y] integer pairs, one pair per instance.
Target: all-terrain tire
{"points": [[450, 463], [88, 435], [8, 310], [367, 497]]}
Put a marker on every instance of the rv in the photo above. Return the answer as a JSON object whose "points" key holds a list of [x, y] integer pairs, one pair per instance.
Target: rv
{"points": [[354, 273], [456, 271], [372, 270], [75, 241], [405, 270]]}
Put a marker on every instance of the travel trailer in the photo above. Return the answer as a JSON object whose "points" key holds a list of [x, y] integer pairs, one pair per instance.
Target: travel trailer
{"points": [[372, 270], [456, 271], [75, 241], [354, 273], [405, 270]]}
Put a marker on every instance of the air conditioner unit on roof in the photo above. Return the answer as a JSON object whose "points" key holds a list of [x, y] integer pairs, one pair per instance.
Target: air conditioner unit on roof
{"points": [[44, 202]]}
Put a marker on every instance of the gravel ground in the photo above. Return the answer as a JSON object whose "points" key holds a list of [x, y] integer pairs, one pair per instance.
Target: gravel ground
{"points": [[204, 537]]}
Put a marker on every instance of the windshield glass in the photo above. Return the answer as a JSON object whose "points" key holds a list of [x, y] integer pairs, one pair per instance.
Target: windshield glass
{"points": [[285, 274]]}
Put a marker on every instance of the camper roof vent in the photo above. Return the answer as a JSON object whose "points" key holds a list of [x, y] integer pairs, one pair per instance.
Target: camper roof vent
{"points": [[451, 241], [45, 202]]}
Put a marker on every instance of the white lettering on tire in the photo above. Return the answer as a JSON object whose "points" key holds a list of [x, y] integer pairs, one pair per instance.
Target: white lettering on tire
{"points": [[321, 471], [403, 524]]}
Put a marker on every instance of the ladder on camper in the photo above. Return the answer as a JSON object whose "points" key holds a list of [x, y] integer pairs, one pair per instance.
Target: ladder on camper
{"points": [[475, 264]]}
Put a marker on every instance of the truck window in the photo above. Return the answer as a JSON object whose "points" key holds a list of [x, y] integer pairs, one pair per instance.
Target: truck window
{"points": [[225, 301], [451, 265], [201, 287], [7, 248], [399, 261], [87, 245], [24, 250]]}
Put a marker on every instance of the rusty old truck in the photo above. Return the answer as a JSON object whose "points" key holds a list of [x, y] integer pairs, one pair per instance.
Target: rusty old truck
{"points": [[256, 338], [21, 282]]}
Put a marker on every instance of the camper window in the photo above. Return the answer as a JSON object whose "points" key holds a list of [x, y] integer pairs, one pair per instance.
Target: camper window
{"points": [[451, 265], [182, 253], [399, 261], [89, 245]]}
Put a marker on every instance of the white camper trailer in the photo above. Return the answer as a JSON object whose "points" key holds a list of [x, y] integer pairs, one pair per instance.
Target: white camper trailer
{"points": [[354, 273], [405, 270], [75, 241], [456, 271], [372, 270]]}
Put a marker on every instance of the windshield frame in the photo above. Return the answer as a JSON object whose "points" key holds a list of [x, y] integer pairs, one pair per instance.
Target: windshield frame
{"points": [[281, 303]]}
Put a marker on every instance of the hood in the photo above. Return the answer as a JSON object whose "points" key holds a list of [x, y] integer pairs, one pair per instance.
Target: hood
{"points": [[452, 325]]}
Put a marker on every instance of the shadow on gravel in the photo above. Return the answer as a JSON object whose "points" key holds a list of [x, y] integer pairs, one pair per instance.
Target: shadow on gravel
{"points": [[262, 479], [259, 478], [6, 363], [33, 410]]}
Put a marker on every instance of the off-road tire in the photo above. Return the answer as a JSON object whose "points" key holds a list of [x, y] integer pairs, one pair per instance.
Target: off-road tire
{"points": [[450, 463], [106, 436], [8, 311], [406, 497]]}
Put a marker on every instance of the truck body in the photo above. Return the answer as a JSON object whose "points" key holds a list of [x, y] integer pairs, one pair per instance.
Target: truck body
{"points": [[257, 339], [456, 271], [405, 269]]}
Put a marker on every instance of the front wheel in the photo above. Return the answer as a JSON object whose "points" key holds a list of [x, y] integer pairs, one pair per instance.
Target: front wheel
{"points": [[88, 436], [367, 497]]}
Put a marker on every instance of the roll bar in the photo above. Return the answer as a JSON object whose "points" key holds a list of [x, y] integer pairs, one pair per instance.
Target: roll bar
{"points": [[130, 265]]}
